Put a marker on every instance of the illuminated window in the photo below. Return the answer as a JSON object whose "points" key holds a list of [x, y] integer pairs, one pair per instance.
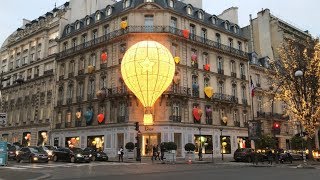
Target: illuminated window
{"points": [[203, 143]]}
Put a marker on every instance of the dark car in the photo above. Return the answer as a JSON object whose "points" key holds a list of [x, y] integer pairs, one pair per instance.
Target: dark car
{"points": [[285, 157], [244, 154], [32, 154], [71, 155], [95, 155], [49, 150], [12, 151]]}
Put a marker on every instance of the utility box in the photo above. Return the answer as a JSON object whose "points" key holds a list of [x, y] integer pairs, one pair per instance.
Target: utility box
{"points": [[3, 153]]}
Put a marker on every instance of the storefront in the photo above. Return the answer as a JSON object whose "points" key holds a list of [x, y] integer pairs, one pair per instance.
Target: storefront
{"points": [[26, 139], [42, 138], [72, 142], [203, 143], [96, 142], [148, 141], [225, 144]]}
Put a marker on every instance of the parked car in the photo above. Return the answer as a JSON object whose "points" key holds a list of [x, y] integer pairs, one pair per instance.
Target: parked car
{"points": [[285, 157], [244, 154], [49, 150], [95, 155], [32, 154], [71, 155], [12, 151]]}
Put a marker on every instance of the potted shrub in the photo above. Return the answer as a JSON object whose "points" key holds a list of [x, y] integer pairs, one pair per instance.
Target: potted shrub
{"points": [[170, 151], [189, 148], [130, 147]]}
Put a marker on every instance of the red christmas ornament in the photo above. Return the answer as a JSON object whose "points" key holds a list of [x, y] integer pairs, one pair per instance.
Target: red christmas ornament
{"points": [[104, 56], [196, 114], [207, 67], [100, 118], [185, 33], [194, 57]]}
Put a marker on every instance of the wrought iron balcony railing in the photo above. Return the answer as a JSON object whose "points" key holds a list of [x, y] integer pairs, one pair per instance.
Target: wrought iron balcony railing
{"points": [[151, 29], [121, 119], [175, 118], [179, 90], [225, 97]]}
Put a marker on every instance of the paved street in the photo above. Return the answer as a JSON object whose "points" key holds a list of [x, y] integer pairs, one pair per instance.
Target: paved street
{"points": [[114, 170]]}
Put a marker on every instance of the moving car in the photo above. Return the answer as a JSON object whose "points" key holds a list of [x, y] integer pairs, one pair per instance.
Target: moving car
{"points": [[32, 154], [49, 150], [95, 155], [71, 155], [12, 151]]}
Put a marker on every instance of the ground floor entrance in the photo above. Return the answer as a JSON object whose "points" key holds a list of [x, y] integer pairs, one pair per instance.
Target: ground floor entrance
{"points": [[150, 141]]}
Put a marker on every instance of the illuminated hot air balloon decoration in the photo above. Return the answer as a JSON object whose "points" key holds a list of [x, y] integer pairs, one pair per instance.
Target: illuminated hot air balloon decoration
{"points": [[147, 69]]}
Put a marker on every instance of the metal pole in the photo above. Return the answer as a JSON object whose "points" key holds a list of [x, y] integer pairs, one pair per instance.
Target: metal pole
{"points": [[303, 149], [222, 158], [200, 149]]}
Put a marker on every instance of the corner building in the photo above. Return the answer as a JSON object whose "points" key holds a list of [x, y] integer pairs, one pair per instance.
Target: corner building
{"points": [[90, 86]]}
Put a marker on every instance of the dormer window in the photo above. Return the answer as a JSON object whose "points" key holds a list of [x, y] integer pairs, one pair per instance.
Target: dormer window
{"points": [[88, 21], [200, 15], [149, 0], [214, 20], [126, 3], [68, 30], [98, 16], [171, 3], [77, 25], [189, 10], [108, 11], [227, 25], [236, 29]]}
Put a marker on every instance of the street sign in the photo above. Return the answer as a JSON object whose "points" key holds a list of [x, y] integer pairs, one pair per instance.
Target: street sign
{"points": [[3, 119]]}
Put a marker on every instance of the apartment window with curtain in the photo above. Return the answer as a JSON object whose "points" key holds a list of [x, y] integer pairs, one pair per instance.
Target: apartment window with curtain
{"points": [[240, 45], [220, 64], [234, 90], [175, 112], [218, 38], [221, 87], [148, 22], [192, 31], [259, 99], [204, 35]]}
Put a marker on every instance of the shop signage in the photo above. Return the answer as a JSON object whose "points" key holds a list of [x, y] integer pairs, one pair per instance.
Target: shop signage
{"points": [[148, 128]]}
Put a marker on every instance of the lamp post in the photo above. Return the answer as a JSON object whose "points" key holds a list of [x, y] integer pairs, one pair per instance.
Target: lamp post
{"points": [[222, 158], [200, 147]]}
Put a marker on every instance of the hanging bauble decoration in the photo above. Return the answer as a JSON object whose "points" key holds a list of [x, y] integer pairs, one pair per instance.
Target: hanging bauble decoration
{"points": [[208, 111], [78, 114], [186, 33], [208, 91], [200, 112], [177, 59], [100, 118], [88, 116], [207, 67], [196, 114], [225, 119], [123, 24], [101, 94], [90, 69], [104, 56], [194, 57]]}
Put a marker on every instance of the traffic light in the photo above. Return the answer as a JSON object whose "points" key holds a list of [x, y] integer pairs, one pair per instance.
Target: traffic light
{"points": [[137, 126], [276, 128]]}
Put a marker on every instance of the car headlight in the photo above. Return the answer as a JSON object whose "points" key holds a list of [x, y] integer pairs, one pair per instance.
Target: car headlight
{"points": [[90, 155], [49, 153], [17, 153], [79, 155]]}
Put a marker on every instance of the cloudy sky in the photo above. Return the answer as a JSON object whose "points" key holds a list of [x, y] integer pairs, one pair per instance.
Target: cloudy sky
{"points": [[302, 14]]}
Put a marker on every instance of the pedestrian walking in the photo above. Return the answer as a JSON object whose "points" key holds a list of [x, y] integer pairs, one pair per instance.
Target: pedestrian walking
{"points": [[158, 152], [270, 156], [120, 154], [154, 153]]}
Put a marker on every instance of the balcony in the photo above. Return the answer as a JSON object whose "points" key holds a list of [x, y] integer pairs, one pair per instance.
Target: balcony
{"points": [[236, 123], [245, 102], [28, 77], [80, 72], [179, 91], [71, 74], [175, 118], [78, 123], [221, 71], [36, 75], [121, 119], [68, 125], [233, 74], [103, 66], [59, 102], [48, 72], [117, 91], [58, 126], [225, 98], [243, 77], [150, 29], [69, 100], [79, 99]]}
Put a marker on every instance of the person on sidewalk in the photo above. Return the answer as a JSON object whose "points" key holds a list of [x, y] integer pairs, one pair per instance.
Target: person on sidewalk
{"points": [[269, 156], [154, 153], [158, 152], [120, 154]]}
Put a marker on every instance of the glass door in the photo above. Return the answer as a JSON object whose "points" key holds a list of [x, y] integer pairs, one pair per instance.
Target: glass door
{"points": [[148, 141]]}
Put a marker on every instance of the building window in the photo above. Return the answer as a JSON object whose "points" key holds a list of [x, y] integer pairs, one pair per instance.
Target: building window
{"points": [[204, 34], [81, 64], [225, 144], [126, 3], [214, 20], [240, 45], [244, 96], [94, 34], [122, 109], [60, 92], [74, 42], [258, 80], [206, 82], [259, 103], [80, 89], [91, 88], [236, 29], [88, 21], [189, 10], [78, 25], [242, 72], [70, 91], [232, 67], [234, 90], [230, 43], [148, 22], [173, 22], [71, 67], [68, 29], [106, 29], [174, 50], [175, 109], [62, 69], [84, 38], [65, 46], [227, 25], [245, 117], [220, 87], [149, 0], [171, 3], [98, 16], [220, 63], [92, 60], [103, 83], [218, 38], [205, 58]]}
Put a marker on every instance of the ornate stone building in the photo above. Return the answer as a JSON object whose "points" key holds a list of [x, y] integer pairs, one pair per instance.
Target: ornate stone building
{"points": [[94, 107], [266, 33], [28, 65]]}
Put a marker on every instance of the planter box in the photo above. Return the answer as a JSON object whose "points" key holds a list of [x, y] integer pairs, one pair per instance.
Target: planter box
{"points": [[170, 156], [189, 155], [129, 155]]}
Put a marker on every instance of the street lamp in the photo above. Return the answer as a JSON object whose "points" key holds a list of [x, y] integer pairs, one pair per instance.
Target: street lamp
{"points": [[200, 148], [222, 158]]}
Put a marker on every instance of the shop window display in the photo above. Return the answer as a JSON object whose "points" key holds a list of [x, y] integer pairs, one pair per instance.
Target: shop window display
{"points": [[42, 138], [206, 143], [26, 140], [225, 144], [96, 142], [243, 142], [72, 142]]}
